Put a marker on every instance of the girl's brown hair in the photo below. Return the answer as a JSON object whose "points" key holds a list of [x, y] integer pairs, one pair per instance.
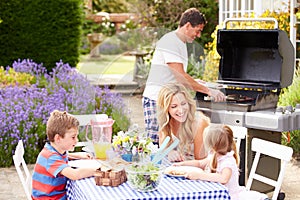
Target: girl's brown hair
{"points": [[219, 138]]}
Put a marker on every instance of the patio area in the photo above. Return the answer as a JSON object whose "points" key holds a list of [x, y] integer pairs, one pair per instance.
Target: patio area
{"points": [[11, 188]]}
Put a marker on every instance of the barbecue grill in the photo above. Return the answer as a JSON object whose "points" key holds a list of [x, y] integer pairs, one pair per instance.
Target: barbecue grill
{"points": [[255, 65]]}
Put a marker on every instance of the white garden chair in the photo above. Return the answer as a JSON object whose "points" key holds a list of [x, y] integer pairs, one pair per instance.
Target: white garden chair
{"points": [[274, 150], [22, 169], [239, 133]]}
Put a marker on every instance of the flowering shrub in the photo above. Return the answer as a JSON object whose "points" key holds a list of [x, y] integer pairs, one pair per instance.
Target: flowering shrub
{"points": [[24, 110], [132, 142], [11, 77]]}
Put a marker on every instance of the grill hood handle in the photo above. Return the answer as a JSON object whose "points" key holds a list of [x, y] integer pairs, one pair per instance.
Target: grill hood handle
{"points": [[251, 20]]}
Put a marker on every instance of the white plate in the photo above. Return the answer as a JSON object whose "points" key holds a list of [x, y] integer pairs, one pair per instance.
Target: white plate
{"points": [[180, 170], [84, 163], [176, 176]]}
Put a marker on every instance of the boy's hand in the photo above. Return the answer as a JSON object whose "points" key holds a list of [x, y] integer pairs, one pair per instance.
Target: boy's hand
{"points": [[85, 155], [80, 155]]}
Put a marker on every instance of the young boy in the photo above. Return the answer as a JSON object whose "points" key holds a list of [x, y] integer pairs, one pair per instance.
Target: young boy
{"points": [[51, 169]]}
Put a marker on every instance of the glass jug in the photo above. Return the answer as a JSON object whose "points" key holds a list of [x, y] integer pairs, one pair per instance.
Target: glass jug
{"points": [[100, 136]]}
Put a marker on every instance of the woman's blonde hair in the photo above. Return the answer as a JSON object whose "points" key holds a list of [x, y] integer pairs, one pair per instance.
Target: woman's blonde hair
{"points": [[163, 103], [219, 138], [59, 123]]}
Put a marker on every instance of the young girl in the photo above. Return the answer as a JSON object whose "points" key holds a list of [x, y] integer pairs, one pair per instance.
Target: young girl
{"points": [[221, 165]]}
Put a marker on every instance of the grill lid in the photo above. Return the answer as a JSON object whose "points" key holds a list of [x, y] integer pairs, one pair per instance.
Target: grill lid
{"points": [[257, 56]]}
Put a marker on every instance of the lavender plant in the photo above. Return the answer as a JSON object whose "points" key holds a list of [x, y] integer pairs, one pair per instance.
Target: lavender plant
{"points": [[24, 110]]}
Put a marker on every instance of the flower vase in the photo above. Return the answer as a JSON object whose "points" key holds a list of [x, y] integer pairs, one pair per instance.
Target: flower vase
{"points": [[127, 157], [135, 158]]}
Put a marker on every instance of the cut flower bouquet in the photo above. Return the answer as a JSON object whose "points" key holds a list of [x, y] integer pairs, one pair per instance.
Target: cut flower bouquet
{"points": [[133, 142]]}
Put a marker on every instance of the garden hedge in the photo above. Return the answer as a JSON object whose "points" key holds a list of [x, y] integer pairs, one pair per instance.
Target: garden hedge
{"points": [[44, 31]]}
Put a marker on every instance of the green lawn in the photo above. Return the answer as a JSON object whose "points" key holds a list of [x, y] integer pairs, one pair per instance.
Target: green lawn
{"points": [[106, 64]]}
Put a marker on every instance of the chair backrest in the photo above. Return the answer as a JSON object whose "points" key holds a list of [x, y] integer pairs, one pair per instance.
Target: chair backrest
{"points": [[86, 119], [22, 169], [239, 133], [274, 150]]}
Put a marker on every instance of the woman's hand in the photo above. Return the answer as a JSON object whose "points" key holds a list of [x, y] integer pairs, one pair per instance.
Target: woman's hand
{"points": [[175, 156]]}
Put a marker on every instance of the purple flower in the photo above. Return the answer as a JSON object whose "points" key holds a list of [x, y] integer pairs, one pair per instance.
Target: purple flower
{"points": [[24, 110]]}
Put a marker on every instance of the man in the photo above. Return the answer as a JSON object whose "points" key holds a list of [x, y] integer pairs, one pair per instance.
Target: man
{"points": [[169, 64]]}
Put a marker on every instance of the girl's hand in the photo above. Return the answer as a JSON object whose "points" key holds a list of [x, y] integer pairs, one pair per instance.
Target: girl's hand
{"points": [[175, 156], [194, 174], [178, 164]]}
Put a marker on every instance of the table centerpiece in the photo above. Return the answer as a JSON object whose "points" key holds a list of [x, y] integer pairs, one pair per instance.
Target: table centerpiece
{"points": [[133, 145]]}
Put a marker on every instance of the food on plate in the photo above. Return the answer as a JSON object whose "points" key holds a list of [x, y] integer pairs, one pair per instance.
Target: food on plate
{"points": [[180, 171], [174, 171], [101, 148]]}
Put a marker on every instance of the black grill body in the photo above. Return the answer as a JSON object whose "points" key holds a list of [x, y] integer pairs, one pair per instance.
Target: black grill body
{"points": [[255, 65]]}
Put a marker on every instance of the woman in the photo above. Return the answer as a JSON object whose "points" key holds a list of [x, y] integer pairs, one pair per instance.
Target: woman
{"points": [[177, 117]]}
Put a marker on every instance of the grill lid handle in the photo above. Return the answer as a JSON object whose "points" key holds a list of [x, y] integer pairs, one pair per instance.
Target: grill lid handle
{"points": [[251, 20]]}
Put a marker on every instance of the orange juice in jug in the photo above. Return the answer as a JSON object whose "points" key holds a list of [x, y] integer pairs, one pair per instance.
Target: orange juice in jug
{"points": [[100, 149]]}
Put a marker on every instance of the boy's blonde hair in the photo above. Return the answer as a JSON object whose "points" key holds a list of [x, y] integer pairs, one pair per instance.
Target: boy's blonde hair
{"points": [[219, 138], [58, 123]]}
